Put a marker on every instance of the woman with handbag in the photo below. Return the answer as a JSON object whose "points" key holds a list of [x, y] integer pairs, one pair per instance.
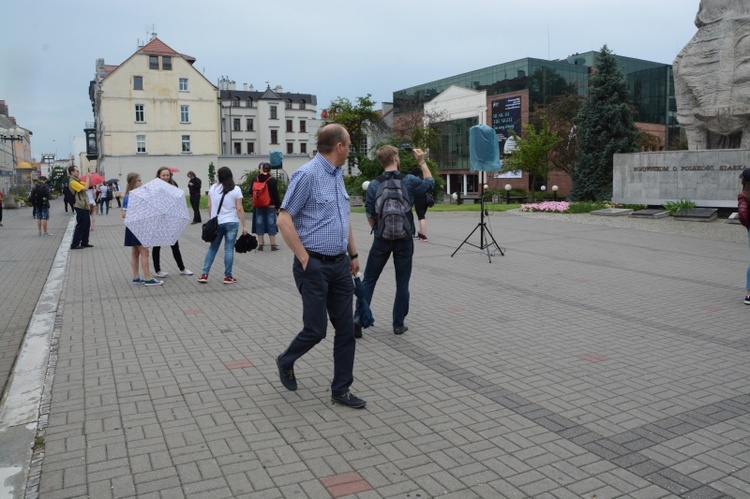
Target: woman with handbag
{"points": [[165, 174], [224, 203]]}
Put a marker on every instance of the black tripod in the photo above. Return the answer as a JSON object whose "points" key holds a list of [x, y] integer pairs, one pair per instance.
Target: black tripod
{"points": [[484, 242]]}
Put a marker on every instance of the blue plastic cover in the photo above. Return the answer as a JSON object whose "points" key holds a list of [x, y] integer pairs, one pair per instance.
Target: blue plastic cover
{"points": [[484, 152], [276, 159]]}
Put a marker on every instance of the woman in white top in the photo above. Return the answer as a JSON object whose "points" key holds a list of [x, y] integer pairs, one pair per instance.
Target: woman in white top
{"points": [[91, 194], [103, 190], [230, 216]]}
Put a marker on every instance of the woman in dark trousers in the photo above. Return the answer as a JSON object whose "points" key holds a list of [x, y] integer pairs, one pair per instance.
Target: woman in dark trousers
{"points": [[165, 174], [194, 186]]}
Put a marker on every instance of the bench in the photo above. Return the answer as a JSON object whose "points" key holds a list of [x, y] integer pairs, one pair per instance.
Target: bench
{"points": [[356, 201]]}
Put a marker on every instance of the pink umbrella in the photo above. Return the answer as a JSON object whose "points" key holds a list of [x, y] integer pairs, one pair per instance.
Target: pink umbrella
{"points": [[157, 213], [96, 179], [173, 169]]}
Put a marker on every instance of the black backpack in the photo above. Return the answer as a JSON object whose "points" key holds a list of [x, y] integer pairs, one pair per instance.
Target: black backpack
{"points": [[393, 209]]}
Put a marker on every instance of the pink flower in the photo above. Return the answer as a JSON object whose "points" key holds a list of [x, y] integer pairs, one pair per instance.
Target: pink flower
{"points": [[547, 206]]}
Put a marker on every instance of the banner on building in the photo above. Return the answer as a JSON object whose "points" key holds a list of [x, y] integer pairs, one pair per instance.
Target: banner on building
{"points": [[506, 116]]}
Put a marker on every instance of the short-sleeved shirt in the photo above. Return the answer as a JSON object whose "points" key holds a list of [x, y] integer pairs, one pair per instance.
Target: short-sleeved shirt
{"points": [[79, 190], [228, 207], [318, 203]]}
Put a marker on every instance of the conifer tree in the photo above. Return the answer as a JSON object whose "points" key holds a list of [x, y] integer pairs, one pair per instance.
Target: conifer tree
{"points": [[605, 126]]}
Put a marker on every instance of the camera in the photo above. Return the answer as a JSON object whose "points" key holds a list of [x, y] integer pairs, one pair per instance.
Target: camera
{"points": [[408, 149]]}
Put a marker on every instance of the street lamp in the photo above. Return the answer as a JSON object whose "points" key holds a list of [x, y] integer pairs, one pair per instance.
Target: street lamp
{"points": [[12, 135], [508, 187], [554, 191]]}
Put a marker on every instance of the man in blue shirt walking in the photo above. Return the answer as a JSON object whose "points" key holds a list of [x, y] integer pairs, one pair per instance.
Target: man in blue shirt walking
{"points": [[402, 249], [314, 222]]}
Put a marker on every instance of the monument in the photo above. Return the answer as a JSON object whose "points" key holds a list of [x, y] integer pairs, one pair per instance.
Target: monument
{"points": [[711, 77]]}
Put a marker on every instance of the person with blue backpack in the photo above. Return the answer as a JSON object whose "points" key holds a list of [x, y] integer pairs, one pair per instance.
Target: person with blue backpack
{"points": [[388, 204]]}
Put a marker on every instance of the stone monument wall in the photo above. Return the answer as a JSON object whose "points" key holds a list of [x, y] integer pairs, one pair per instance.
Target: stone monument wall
{"points": [[710, 178]]}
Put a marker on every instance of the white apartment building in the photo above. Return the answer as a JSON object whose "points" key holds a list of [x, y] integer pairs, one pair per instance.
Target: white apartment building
{"points": [[254, 123], [154, 109]]}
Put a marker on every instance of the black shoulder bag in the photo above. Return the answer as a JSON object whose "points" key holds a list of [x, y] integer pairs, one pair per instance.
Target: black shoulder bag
{"points": [[211, 228]]}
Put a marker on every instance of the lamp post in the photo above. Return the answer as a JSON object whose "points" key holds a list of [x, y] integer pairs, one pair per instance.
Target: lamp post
{"points": [[507, 193], [554, 191], [12, 135]]}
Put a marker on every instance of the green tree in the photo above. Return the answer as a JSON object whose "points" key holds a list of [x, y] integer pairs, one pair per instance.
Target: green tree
{"points": [[211, 174], [605, 126], [532, 152], [560, 114], [359, 119], [58, 176]]}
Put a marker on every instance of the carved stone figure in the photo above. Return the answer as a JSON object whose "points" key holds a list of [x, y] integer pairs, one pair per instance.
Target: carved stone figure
{"points": [[712, 77]]}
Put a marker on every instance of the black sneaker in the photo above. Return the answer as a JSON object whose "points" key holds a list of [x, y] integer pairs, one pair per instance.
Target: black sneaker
{"points": [[747, 300], [348, 399], [357, 330], [400, 330], [286, 376]]}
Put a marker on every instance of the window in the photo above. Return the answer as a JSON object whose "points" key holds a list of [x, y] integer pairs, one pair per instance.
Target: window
{"points": [[274, 136], [185, 144], [302, 104], [303, 148], [140, 115], [290, 147], [249, 102], [140, 144], [184, 85], [153, 62], [238, 147], [184, 114], [251, 147], [273, 113], [249, 125], [303, 126], [138, 83], [289, 126], [289, 103], [223, 124], [236, 124], [166, 63], [236, 102]]}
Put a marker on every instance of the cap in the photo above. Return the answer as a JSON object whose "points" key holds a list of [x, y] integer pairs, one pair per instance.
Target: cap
{"points": [[745, 175]]}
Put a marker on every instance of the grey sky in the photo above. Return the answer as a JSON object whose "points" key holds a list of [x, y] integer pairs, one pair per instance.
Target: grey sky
{"points": [[330, 48]]}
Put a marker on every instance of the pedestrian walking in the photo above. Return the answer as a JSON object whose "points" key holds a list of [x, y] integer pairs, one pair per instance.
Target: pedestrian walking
{"points": [[103, 194], [39, 197], [224, 202], [314, 222], [743, 213], [388, 207]]}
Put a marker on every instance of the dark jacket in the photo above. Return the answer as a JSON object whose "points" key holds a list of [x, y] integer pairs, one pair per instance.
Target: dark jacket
{"points": [[273, 188], [194, 186], [743, 213]]}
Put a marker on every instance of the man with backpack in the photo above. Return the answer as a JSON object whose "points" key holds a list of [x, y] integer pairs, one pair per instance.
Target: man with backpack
{"points": [[388, 204], [39, 198], [265, 191]]}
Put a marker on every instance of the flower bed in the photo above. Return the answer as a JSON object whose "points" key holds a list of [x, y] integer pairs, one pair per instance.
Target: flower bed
{"points": [[548, 206]]}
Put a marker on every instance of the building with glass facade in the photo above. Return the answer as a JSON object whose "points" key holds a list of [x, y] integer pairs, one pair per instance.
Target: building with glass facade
{"points": [[514, 89]]}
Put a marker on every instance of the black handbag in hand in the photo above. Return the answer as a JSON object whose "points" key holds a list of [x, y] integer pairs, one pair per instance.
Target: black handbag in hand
{"points": [[211, 228]]}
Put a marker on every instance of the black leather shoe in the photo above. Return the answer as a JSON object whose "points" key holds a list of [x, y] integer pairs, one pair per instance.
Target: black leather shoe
{"points": [[87, 246], [400, 330], [287, 377], [357, 330], [76, 247], [349, 399]]}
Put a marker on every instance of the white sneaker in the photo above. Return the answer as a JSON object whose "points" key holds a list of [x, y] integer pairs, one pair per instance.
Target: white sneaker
{"points": [[161, 275], [186, 272]]}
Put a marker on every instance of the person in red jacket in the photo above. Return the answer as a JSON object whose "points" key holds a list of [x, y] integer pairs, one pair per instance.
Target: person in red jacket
{"points": [[744, 215]]}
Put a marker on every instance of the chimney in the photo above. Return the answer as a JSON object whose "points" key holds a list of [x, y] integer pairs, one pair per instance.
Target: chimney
{"points": [[153, 36], [251, 89], [244, 87], [232, 85], [278, 89]]}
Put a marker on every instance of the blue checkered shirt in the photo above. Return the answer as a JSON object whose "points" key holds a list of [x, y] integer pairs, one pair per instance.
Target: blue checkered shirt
{"points": [[319, 205]]}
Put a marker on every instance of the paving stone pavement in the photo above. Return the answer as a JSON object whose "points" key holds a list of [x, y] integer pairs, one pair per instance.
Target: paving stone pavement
{"points": [[594, 359]]}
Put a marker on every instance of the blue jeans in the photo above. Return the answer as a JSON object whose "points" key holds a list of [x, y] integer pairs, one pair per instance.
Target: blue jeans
{"points": [[381, 250], [228, 232], [327, 290], [265, 221], [102, 204]]}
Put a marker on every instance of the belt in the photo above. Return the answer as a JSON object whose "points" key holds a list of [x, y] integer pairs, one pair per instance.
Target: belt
{"points": [[326, 258]]}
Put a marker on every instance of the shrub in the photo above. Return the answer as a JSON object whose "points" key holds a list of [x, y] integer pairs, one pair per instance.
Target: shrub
{"points": [[674, 207]]}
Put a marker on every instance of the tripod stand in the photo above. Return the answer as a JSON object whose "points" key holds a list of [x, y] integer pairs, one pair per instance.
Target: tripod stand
{"points": [[484, 242]]}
